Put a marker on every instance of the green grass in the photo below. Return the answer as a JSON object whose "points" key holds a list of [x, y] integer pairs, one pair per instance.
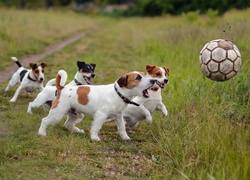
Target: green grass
{"points": [[205, 136]]}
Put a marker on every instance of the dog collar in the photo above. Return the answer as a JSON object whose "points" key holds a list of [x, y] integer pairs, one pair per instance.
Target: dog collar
{"points": [[78, 83], [126, 100], [31, 78]]}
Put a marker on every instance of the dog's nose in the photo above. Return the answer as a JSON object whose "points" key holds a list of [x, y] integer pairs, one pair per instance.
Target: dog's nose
{"points": [[92, 75], [41, 79], [165, 81]]}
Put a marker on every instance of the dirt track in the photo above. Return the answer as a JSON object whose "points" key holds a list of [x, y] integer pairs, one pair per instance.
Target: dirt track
{"points": [[7, 73]]}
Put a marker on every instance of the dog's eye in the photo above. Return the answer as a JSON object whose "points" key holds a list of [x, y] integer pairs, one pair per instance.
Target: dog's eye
{"points": [[42, 71], [138, 77], [157, 74], [36, 71]]}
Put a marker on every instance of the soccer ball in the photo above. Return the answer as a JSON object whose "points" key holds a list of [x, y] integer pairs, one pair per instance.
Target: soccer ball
{"points": [[220, 60]]}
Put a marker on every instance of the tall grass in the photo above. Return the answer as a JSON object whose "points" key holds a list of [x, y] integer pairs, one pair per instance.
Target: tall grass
{"points": [[27, 32], [205, 136]]}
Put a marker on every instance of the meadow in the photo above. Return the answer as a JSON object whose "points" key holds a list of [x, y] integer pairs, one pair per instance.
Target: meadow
{"points": [[205, 136]]}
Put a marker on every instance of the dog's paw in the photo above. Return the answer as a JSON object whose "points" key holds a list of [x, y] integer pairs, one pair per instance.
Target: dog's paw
{"points": [[77, 130], [81, 131], [149, 119], [29, 111], [165, 113], [41, 134], [95, 138], [126, 138], [12, 100]]}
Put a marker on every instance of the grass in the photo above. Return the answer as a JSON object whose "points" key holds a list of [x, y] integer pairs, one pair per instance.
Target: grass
{"points": [[205, 136], [27, 32]]}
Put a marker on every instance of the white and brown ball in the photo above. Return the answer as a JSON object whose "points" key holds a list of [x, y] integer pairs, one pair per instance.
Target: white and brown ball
{"points": [[220, 60]]}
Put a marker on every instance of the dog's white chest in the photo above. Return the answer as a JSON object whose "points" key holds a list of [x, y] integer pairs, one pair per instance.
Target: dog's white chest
{"points": [[32, 87]]}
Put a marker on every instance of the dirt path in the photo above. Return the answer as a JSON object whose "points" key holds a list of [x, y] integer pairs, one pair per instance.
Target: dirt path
{"points": [[7, 73]]}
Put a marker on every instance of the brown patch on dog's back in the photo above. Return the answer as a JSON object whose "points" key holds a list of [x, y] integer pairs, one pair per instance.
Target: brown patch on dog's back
{"points": [[83, 92]]}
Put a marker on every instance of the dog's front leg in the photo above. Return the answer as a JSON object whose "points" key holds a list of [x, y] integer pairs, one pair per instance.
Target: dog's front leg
{"points": [[99, 119], [146, 113], [16, 94], [121, 127], [162, 107]]}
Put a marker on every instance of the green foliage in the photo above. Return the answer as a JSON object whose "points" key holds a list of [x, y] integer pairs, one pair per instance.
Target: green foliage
{"points": [[192, 15]]}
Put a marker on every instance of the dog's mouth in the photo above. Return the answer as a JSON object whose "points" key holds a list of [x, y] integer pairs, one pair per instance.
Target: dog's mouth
{"points": [[161, 85], [88, 80], [145, 93], [40, 81]]}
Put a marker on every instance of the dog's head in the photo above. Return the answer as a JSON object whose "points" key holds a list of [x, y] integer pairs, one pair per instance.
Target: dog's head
{"points": [[158, 74], [38, 71], [85, 72], [135, 83]]}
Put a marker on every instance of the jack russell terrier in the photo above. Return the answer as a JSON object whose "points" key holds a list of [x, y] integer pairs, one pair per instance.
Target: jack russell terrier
{"points": [[48, 94], [132, 114], [102, 102], [30, 80]]}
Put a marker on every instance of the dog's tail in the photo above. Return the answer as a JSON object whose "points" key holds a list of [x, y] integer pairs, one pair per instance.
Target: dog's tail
{"points": [[61, 79], [16, 61], [51, 82]]}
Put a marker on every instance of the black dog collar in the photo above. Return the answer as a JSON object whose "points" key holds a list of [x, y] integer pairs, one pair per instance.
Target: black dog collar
{"points": [[78, 83], [126, 100], [31, 78]]}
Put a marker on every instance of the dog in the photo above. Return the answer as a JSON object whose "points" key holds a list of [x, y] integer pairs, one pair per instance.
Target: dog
{"points": [[48, 94], [132, 115], [102, 102], [30, 80]]}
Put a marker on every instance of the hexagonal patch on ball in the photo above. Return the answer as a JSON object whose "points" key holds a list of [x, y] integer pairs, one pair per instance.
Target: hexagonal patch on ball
{"points": [[219, 54], [218, 76], [226, 66], [204, 70], [230, 75], [237, 64], [213, 66], [231, 54], [205, 56], [212, 45]]}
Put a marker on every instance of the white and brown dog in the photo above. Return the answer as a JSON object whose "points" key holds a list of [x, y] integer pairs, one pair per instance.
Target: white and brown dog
{"points": [[102, 102], [48, 94], [132, 114], [30, 80]]}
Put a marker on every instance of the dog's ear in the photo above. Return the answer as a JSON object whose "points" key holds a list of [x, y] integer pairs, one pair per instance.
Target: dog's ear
{"points": [[166, 69], [80, 64], [149, 68], [123, 81], [33, 65], [93, 65], [142, 73], [44, 65]]}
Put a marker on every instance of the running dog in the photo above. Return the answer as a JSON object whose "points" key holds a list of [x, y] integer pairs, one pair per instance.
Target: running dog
{"points": [[102, 102], [30, 80], [48, 94], [132, 114]]}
